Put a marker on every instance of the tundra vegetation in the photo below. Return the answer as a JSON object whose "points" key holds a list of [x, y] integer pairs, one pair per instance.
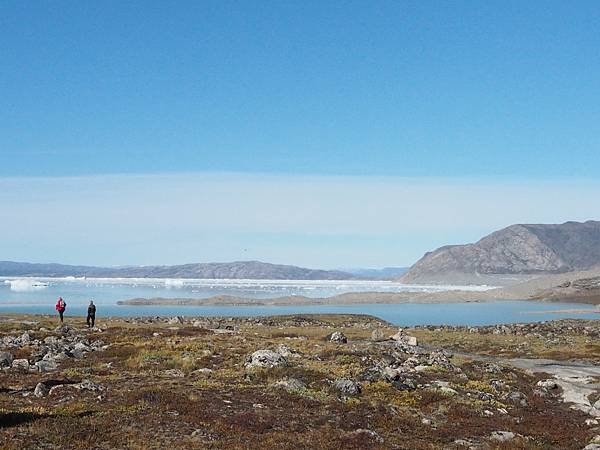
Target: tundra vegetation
{"points": [[288, 382]]}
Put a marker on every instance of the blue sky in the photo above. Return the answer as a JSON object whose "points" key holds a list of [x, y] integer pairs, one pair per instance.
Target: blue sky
{"points": [[420, 94]]}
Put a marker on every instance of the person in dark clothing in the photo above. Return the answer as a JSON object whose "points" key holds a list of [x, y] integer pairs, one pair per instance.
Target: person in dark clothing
{"points": [[91, 316], [61, 305]]}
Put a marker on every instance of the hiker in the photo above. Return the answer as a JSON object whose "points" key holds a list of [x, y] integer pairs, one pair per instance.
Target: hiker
{"points": [[61, 305], [91, 317]]}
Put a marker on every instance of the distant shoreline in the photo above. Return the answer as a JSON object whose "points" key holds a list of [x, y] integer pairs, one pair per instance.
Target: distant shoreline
{"points": [[351, 298]]}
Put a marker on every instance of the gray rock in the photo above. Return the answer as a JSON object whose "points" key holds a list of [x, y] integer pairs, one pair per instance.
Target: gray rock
{"points": [[51, 340], [404, 339], [444, 388], [6, 359], [81, 346], [502, 436], [548, 384], [76, 353], [405, 384], [265, 358], [64, 329], [378, 335], [347, 387], [174, 373], [87, 385], [46, 365], [291, 384], [517, 397], [339, 337], [390, 373], [20, 364], [287, 352], [25, 339], [41, 390], [177, 320]]}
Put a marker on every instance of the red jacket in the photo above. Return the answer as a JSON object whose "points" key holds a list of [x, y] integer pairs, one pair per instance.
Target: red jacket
{"points": [[60, 307]]}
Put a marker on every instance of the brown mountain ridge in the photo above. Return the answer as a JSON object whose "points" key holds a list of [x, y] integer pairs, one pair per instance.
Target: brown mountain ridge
{"points": [[511, 253]]}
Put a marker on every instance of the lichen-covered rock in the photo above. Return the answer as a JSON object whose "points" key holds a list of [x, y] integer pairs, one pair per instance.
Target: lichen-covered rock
{"points": [[404, 338], [20, 364], [46, 366], [265, 358], [548, 384], [502, 436], [338, 337], [287, 352], [6, 359], [347, 387], [41, 390], [378, 335]]}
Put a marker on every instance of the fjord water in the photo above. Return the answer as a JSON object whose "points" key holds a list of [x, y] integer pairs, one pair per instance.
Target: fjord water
{"points": [[33, 296]]}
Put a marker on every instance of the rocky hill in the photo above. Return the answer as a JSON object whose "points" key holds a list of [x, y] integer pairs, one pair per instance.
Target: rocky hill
{"points": [[513, 251], [233, 270]]}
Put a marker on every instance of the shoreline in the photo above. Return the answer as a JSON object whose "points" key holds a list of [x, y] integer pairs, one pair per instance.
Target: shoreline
{"points": [[350, 298]]}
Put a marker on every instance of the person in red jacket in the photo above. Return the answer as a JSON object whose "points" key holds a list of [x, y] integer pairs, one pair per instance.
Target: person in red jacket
{"points": [[61, 305]]}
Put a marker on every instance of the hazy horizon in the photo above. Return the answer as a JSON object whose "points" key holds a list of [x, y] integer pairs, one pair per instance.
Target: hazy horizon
{"points": [[316, 221]]}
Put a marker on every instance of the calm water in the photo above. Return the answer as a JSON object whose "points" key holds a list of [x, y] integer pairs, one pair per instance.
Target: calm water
{"points": [[27, 296]]}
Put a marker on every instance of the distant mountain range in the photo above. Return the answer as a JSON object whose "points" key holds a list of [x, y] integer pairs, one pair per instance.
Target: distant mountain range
{"points": [[233, 270], [512, 251], [386, 273]]}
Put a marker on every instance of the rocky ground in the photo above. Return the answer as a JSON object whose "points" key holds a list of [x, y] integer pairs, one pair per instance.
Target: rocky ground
{"points": [[293, 382]]}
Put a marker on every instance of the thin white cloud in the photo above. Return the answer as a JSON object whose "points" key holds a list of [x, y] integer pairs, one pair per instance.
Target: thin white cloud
{"points": [[176, 218]]}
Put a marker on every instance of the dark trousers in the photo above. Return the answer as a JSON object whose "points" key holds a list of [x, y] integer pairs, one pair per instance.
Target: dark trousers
{"points": [[60, 313], [91, 319]]}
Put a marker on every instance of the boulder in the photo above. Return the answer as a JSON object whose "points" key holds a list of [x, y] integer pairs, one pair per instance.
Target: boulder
{"points": [[51, 340], [548, 384], [174, 373], [64, 329], [6, 359], [291, 384], [287, 352], [265, 358], [338, 337], [41, 390], [405, 384], [81, 346], [76, 353], [347, 387], [404, 339], [377, 335], [25, 339], [412, 341], [390, 373], [87, 385], [46, 365], [502, 436], [20, 364], [517, 397], [444, 388]]}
